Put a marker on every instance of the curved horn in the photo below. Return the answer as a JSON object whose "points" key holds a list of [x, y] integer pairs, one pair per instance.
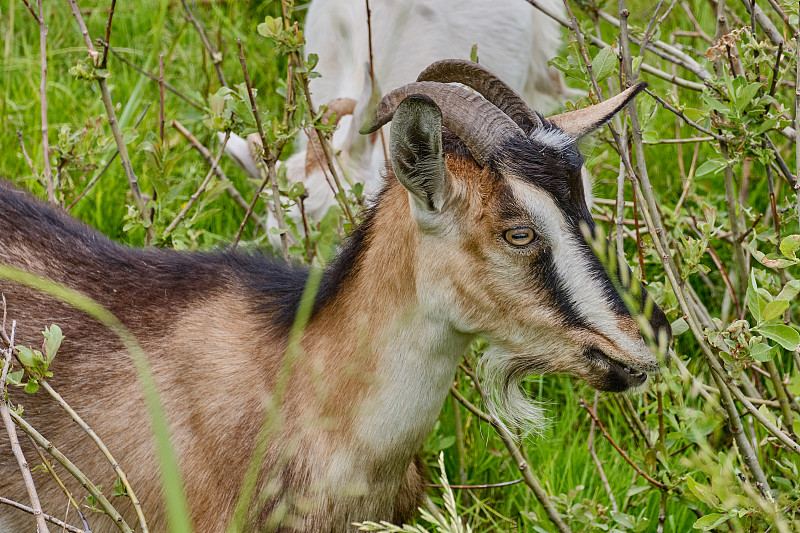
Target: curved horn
{"points": [[475, 120], [488, 85], [315, 155]]}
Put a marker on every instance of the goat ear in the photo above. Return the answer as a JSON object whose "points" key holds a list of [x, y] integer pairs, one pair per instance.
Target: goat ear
{"points": [[578, 123], [416, 152]]}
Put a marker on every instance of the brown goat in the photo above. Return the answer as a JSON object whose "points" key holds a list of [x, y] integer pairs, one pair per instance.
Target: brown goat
{"points": [[476, 232]]}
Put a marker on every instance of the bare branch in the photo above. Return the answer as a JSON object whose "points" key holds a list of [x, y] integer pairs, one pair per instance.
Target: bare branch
{"points": [[94, 54], [133, 181], [200, 189], [171, 88], [216, 57], [53, 520], [6, 414], [230, 188], [520, 459], [74, 471]]}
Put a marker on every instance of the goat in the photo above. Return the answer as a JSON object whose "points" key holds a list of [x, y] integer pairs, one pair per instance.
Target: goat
{"points": [[477, 231], [514, 40]]}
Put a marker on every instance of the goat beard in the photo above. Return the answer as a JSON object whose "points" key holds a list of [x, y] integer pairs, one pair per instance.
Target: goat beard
{"points": [[501, 375]]}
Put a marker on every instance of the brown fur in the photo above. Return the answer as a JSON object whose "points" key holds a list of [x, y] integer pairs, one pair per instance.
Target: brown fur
{"points": [[214, 361], [344, 447]]}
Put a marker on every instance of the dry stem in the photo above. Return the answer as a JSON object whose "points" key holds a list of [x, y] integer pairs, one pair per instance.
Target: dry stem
{"points": [[53, 520], [76, 473], [171, 88], [200, 189], [133, 181], [103, 449], [216, 57], [624, 455], [520, 459], [48, 171], [232, 191], [6, 415], [268, 157]]}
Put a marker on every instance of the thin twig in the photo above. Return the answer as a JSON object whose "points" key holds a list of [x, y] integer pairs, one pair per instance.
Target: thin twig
{"points": [[624, 455], [16, 449], [520, 459], [103, 449], [597, 463], [76, 473], [797, 124], [107, 165], [107, 37], [180, 216], [94, 54], [161, 107], [167, 86], [33, 12], [216, 57], [375, 88], [133, 181], [53, 520], [269, 157], [72, 503], [601, 44], [26, 156], [232, 191], [683, 116], [48, 171]]}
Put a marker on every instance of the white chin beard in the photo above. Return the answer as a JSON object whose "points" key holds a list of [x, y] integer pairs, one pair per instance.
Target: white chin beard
{"points": [[505, 400]]}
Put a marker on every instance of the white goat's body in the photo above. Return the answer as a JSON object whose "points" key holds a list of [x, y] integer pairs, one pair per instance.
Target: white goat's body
{"points": [[514, 40]]}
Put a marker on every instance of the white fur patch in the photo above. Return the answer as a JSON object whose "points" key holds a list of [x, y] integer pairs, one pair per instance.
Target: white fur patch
{"points": [[553, 138]]}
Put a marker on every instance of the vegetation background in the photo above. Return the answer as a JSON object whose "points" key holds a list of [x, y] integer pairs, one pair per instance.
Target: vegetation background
{"points": [[723, 185]]}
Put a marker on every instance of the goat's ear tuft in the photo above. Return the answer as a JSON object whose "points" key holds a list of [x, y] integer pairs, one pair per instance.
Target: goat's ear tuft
{"points": [[578, 123], [416, 152]]}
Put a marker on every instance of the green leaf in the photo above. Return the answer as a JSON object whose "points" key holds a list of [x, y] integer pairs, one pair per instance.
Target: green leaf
{"points": [[25, 355], [790, 291], [52, 343], [679, 326], [709, 521], [32, 386], [15, 378], [712, 166], [775, 309], [762, 352], [783, 335], [702, 492], [270, 27], [604, 63], [754, 302], [119, 488], [789, 245], [745, 96]]}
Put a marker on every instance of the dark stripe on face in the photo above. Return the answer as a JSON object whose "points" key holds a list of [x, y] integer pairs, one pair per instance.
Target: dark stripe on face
{"points": [[543, 269]]}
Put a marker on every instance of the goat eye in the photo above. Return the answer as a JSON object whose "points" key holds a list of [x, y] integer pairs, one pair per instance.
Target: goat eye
{"points": [[519, 236]]}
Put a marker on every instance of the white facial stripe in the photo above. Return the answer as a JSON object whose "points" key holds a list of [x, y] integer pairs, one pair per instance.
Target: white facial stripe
{"points": [[588, 187], [586, 294], [552, 138]]}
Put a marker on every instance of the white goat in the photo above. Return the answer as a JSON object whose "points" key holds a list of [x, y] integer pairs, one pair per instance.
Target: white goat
{"points": [[514, 40]]}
